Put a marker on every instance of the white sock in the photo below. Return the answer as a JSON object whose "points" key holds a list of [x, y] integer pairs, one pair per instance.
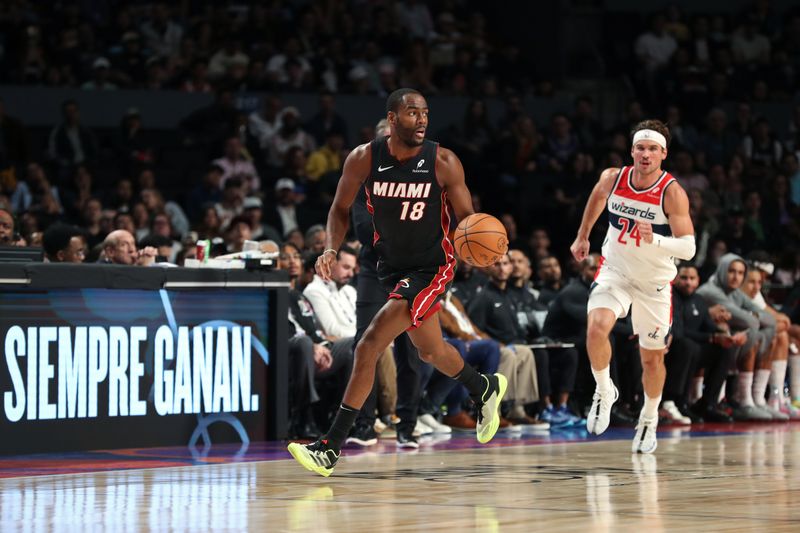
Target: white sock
{"points": [[760, 386], [650, 408], [794, 376], [744, 392], [722, 391], [777, 380], [603, 379], [696, 390]]}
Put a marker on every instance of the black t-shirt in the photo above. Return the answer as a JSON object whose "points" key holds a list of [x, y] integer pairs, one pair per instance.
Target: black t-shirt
{"points": [[495, 312]]}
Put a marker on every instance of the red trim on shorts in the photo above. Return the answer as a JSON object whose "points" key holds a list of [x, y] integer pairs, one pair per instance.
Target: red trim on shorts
{"points": [[426, 298], [395, 296], [432, 311], [599, 266]]}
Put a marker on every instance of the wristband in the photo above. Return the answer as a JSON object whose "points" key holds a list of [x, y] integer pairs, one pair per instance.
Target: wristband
{"points": [[330, 250]]}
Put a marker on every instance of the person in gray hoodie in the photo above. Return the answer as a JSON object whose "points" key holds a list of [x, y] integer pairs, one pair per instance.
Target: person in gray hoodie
{"points": [[759, 326]]}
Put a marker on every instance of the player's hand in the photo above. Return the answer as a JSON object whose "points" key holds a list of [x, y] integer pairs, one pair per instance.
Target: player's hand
{"points": [[645, 230], [580, 249], [325, 263]]}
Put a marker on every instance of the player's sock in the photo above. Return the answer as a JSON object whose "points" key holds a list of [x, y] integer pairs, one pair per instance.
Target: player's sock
{"points": [[777, 379], [760, 381], [345, 418], [650, 408], [603, 379], [744, 388], [794, 376], [472, 380]]}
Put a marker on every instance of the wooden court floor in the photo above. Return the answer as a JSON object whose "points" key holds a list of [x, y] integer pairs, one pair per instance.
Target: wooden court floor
{"points": [[727, 481]]}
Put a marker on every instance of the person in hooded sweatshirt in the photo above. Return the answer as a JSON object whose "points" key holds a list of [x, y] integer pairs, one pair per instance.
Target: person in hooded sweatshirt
{"points": [[759, 326]]}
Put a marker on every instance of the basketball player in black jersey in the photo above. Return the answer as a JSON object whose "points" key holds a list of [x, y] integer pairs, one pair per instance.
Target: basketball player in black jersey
{"points": [[412, 185]]}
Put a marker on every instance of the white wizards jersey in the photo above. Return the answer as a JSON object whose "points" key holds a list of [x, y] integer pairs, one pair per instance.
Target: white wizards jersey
{"points": [[623, 249]]}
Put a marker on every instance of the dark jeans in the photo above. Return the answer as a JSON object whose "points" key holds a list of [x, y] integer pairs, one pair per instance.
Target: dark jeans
{"points": [[483, 354], [681, 363], [556, 370], [371, 297]]}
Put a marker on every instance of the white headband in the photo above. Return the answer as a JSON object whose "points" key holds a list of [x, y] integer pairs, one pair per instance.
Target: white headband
{"points": [[650, 135]]}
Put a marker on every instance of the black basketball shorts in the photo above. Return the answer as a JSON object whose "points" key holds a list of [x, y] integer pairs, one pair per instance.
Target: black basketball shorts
{"points": [[422, 288]]}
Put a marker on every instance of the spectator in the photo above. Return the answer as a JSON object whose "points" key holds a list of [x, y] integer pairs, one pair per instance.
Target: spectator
{"points": [[334, 301], [550, 280], [326, 159], [119, 248], [290, 134], [154, 201], [237, 232], [163, 36], [704, 334], [134, 151], [288, 213], [315, 238], [251, 208], [327, 121], [758, 326], [236, 163], [8, 233], [494, 311], [70, 143], [266, 122], [231, 203], [100, 76], [207, 192], [229, 57]]}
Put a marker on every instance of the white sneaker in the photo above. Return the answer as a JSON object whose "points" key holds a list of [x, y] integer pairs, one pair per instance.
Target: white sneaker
{"points": [[600, 413], [421, 429], [675, 413], [645, 439], [437, 427], [777, 415]]}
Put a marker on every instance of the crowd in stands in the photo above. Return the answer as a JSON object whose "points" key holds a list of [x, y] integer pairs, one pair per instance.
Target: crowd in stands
{"points": [[86, 196]]}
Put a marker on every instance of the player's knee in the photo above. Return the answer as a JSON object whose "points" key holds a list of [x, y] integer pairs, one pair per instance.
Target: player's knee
{"points": [[427, 357], [653, 360], [598, 330]]}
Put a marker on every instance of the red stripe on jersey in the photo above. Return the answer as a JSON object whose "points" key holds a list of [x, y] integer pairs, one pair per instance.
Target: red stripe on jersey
{"points": [[650, 196], [422, 307], [375, 234]]}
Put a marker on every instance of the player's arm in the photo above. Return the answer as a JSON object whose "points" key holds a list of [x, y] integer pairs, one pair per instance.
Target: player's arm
{"points": [[676, 206], [594, 208], [450, 175], [354, 173]]}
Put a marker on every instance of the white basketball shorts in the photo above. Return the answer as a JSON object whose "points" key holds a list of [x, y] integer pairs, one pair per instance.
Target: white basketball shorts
{"points": [[650, 305]]}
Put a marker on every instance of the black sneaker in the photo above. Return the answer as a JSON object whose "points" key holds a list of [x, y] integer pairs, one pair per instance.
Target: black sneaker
{"points": [[406, 439], [317, 456], [363, 435]]}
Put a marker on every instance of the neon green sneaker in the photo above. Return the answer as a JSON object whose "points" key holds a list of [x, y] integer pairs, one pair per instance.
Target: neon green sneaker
{"points": [[489, 406], [317, 456]]}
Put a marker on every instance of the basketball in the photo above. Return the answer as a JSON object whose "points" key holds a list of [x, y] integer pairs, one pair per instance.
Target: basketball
{"points": [[480, 240]]}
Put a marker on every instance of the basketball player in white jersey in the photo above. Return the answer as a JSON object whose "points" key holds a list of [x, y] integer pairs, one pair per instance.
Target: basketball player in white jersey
{"points": [[649, 227]]}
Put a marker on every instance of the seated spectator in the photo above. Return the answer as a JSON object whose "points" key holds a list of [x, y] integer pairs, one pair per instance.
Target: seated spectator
{"points": [[775, 370], [119, 248], [468, 282], [235, 163], [251, 208], [758, 326], [161, 226], [327, 121], [290, 134], [494, 311], [315, 239], [64, 244], [154, 202], [207, 192], [334, 301], [288, 214], [265, 122], [702, 348], [327, 158], [100, 76], [231, 203], [548, 270], [237, 232], [313, 358]]}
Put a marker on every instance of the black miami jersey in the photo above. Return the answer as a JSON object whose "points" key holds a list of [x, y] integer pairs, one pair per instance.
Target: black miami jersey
{"points": [[409, 210]]}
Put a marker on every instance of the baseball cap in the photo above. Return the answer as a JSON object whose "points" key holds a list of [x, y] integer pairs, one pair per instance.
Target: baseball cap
{"points": [[251, 202], [284, 183]]}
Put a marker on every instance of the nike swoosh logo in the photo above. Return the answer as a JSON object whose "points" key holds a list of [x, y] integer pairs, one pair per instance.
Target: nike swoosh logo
{"points": [[381, 169], [659, 289], [498, 305]]}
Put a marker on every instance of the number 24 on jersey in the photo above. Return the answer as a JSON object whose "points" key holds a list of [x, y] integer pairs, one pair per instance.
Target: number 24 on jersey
{"points": [[628, 225]]}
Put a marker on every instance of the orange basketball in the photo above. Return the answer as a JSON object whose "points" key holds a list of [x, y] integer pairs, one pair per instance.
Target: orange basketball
{"points": [[480, 240]]}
